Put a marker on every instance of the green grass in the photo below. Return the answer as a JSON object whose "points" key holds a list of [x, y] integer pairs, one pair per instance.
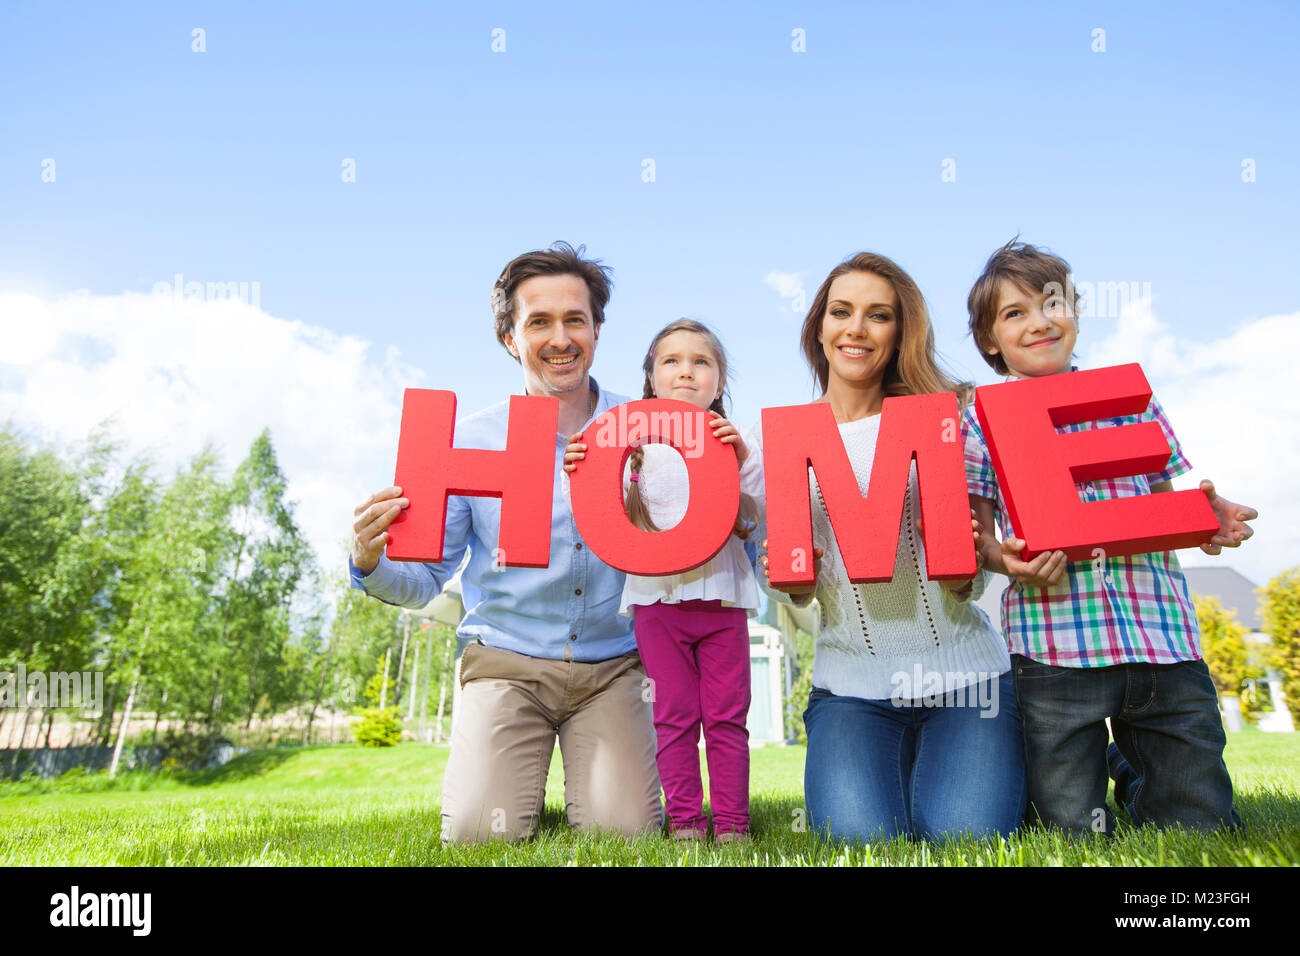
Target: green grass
{"points": [[347, 805]]}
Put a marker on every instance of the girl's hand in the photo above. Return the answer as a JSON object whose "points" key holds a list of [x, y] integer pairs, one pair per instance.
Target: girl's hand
{"points": [[726, 431], [1233, 528], [1046, 569], [575, 453], [795, 589]]}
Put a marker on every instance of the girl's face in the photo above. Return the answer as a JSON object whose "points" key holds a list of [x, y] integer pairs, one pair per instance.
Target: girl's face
{"points": [[686, 369], [860, 330]]}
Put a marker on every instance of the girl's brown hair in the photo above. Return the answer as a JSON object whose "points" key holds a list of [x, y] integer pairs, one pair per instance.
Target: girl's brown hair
{"points": [[634, 504], [913, 370]]}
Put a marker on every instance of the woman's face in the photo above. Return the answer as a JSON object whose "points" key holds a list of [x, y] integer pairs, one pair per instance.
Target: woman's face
{"points": [[860, 330]]}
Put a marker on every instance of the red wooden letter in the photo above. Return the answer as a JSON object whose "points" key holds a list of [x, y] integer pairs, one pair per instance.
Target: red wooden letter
{"points": [[429, 469], [597, 488], [924, 427], [1037, 467]]}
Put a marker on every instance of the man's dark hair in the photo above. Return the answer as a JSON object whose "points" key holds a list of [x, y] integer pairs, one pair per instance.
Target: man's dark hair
{"points": [[560, 259]]}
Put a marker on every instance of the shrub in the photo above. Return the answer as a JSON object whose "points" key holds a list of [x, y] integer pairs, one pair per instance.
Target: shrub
{"points": [[377, 728]]}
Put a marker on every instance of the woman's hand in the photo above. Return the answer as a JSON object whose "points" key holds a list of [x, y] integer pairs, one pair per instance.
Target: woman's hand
{"points": [[575, 453], [795, 589], [726, 432]]}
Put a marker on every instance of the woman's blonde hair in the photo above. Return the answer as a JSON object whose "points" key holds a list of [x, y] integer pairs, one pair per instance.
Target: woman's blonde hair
{"points": [[635, 504]]}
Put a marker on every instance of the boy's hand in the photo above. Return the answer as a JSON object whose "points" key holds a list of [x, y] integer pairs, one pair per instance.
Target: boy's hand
{"points": [[962, 586], [796, 589], [1232, 521], [575, 453], [1046, 569], [726, 431]]}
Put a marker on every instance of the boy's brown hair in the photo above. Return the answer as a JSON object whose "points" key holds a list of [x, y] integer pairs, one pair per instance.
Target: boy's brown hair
{"points": [[1029, 267]]}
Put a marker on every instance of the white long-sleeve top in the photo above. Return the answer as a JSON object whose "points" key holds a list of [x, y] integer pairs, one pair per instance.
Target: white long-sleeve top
{"points": [[902, 639], [727, 576]]}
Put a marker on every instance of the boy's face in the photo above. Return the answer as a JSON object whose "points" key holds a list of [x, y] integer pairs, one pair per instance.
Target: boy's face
{"points": [[1034, 332]]}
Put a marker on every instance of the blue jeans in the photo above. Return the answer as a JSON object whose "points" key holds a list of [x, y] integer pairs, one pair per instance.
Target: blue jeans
{"points": [[1169, 740], [876, 769]]}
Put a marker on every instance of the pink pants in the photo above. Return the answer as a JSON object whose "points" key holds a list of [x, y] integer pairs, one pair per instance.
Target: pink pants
{"points": [[696, 653]]}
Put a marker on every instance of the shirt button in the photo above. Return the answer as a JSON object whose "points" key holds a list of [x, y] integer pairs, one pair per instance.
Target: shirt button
{"points": [[578, 546], [573, 637], [577, 591]]}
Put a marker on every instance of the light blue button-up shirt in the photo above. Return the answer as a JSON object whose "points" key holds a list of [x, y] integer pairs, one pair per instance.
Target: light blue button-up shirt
{"points": [[571, 603]]}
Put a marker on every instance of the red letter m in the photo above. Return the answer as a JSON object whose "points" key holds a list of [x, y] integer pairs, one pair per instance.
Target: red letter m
{"points": [[923, 427]]}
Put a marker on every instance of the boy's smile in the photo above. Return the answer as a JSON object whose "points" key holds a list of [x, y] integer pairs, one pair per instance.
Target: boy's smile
{"points": [[1034, 331]]}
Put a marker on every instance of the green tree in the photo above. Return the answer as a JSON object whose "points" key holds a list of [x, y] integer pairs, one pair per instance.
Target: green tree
{"points": [[380, 687], [1223, 644], [271, 558], [41, 509], [1280, 604]]}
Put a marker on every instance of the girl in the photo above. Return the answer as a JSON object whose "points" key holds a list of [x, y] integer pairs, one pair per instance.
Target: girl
{"points": [[691, 628], [888, 755]]}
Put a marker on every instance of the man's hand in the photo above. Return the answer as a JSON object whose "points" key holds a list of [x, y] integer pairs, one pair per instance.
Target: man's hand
{"points": [[796, 589], [724, 430], [575, 453], [369, 534], [1233, 528], [1046, 569]]}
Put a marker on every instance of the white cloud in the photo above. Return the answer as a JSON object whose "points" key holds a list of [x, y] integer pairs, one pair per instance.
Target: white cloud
{"points": [[173, 373], [786, 284], [1234, 403]]}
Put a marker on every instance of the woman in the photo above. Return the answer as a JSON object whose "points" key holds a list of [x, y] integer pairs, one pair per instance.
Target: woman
{"points": [[912, 721]]}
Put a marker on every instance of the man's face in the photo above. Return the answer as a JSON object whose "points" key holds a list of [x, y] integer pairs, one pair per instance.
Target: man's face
{"points": [[554, 337]]}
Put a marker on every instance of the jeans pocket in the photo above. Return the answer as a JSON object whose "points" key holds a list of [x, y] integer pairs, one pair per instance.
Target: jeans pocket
{"points": [[1026, 668]]}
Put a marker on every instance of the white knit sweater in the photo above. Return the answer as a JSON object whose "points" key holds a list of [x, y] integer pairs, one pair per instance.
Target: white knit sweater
{"points": [[901, 639]]}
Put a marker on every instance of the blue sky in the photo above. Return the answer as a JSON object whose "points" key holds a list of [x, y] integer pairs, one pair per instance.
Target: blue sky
{"points": [[769, 164]]}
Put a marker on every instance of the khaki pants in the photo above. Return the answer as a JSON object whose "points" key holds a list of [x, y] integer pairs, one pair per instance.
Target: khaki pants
{"points": [[512, 707]]}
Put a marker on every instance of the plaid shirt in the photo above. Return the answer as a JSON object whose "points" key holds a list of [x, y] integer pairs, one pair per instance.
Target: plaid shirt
{"points": [[1133, 609]]}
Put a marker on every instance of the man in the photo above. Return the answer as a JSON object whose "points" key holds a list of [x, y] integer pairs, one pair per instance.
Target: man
{"points": [[552, 653]]}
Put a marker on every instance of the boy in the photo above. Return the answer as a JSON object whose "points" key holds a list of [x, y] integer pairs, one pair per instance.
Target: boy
{"points": [[1089, 640]]}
